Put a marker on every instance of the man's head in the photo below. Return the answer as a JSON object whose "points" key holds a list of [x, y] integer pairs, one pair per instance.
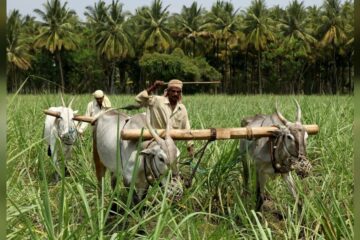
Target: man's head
{"points": [[99, 96], [174, 91]]}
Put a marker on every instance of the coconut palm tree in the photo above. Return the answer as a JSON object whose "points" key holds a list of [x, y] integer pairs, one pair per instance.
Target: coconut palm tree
{"points": [[296, 40], [112, 37], [190, 27], [96, 14], [17, 48], [154, 27], [258, 28], [332, 32], [222, 21], [56, 32], [347, 50]]}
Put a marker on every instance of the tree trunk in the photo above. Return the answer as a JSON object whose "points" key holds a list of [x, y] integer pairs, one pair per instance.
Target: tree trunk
{"points": [[253, 77], [259, 72], [61, 71], [335, 80], [122, 79], [111, 78], [14, 81], [351, 85], [246, 72], [227, 69]]}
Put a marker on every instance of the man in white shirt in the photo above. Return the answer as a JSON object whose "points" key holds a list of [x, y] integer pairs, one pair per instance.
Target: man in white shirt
{"points": [[166, 107], [100, 102]]}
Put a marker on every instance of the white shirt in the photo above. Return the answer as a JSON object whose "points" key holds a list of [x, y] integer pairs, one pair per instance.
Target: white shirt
{"points": [[92, 110]]}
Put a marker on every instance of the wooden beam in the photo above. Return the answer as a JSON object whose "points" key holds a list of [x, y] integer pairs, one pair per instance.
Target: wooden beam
{"points": [[205, 134], [186, 83], [83, 118], [76, 117]]}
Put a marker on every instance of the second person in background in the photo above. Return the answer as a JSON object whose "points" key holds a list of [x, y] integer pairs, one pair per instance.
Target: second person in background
{"points": [[101, 101]]}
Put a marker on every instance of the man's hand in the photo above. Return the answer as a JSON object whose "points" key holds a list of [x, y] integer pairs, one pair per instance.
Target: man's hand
{"points": [[156, 84]]}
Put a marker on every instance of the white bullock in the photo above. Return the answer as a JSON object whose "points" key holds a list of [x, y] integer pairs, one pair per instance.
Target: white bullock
{"points": [[276, 155], [155, 157], [59, 124]]}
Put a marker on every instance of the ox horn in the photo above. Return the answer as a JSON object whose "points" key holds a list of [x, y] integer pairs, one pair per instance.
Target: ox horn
{"points": [[52, 113], [298, 112], [281, 117], [62, 100], [157, 138], [71, 102], [168, 127]]}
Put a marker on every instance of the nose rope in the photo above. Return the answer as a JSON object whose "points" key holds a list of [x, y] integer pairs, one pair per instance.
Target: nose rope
{"points": [[150, 177], [274, 147], [69, 137]]}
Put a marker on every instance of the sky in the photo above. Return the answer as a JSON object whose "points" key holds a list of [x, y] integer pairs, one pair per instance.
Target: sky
{"points": [[27, 6]]}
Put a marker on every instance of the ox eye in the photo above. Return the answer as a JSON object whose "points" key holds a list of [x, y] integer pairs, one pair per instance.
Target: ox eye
{"points": [[161, 159]]}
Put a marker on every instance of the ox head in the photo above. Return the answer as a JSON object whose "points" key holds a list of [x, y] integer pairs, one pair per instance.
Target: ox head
{"points": [[163, 155], [290, 145], [64, 122]]}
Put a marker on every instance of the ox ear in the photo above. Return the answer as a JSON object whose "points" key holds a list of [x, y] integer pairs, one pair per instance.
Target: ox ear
{"points": [[148, 151]]}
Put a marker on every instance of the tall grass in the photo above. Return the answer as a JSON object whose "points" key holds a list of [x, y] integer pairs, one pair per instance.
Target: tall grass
{"points": [[215, 207]]}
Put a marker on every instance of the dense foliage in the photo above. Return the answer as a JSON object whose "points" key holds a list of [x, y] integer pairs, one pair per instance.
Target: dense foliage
{"points": [[295, 49]]}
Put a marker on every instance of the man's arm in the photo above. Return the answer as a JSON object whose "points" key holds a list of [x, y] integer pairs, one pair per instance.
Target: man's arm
{"points": [[155, 85], [144, 97]]}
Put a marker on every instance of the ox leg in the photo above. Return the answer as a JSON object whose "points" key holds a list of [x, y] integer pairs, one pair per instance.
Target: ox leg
{"points": [[99, 167], [68, 152], [56, 176], [246, 170], [292, 188], [260, 189], [114, 206]]}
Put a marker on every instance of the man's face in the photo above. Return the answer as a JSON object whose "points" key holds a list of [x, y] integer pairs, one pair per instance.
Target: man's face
{"points": [[99, 100], [174, 94]]}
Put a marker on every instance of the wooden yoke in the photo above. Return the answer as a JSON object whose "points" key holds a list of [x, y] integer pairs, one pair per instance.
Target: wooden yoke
{"points": [[83, 118], [202, 134], [205, 134]]}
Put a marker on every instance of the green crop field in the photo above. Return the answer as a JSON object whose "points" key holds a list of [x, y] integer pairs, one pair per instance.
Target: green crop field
{"points": [[215, 207]]}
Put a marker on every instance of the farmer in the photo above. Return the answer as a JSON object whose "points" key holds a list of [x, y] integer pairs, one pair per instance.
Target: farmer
{"points": [[165, 107], [100, 101]]}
